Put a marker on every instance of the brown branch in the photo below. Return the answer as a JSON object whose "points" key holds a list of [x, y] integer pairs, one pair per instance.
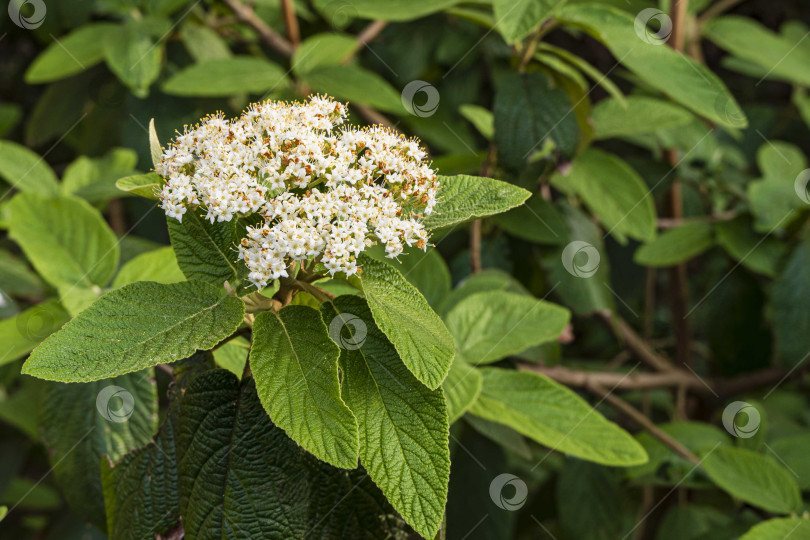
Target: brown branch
{"points": [[716, 9], [363, 38], [671, 223], [644, 422], [475, 246], [271, 37], [640, 347], [291, 23]]}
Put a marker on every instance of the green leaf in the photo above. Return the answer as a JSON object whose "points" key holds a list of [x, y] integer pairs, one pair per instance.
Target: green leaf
{"points": [[74, 53], [791, 318], [144, 185], [239, 476], [295, 365], [137, 326], [775, 200], [554, 416], [750, 40], [640, 115], [326, 49], [10, 114], [233, 355], [517, 18], [753, 478], [613, 191], [461, 388], [26, 171], [403, 425], [582, 288], [792, 451], [226, 77], [94, 179], [66, 240], [83, 422], [425, 270], [356, 85], [688, 82], [676, 245], [755, 252], [587, 489], [203, 43], [158, 265], [17, 278], [481, 118], [489, 326], [536, 220], [463, 197], [486, 280], [155, 151], [134, 56], [594, 74], [528, 111], [405, 317], [386, 10], [21, 333], [140, 490], [779, 529], [206, 251]]}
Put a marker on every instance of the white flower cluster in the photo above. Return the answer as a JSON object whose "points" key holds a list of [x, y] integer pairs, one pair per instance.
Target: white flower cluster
{"points": [[324, 193]]}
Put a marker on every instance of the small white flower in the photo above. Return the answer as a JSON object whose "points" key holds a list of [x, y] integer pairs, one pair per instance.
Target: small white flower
{"points": [[324, 193]]}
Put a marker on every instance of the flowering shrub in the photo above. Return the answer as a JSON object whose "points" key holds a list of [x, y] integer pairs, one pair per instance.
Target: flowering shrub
{"points": [[536, 269]]}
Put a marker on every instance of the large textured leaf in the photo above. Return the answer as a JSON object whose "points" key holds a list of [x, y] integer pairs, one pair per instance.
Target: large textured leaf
{"points": [[489, 326], [688, 82], [83, 422], [140, 491], [528, 110], [791, 317], [206, 251], [137, 326], [76, 52], [516, 18], [676, 245], [486, 280], [639, 116], [461, 388], [750, 40], [66, 240], [425, 270], [755, 478], [403, 425], [25, 170], [295, 366], [356, 85], [581, 288], [613, 191], [403, 314], [554, 416], [779, 529], [225, 77], [464, 197], [242, 477], [21, 333]]}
